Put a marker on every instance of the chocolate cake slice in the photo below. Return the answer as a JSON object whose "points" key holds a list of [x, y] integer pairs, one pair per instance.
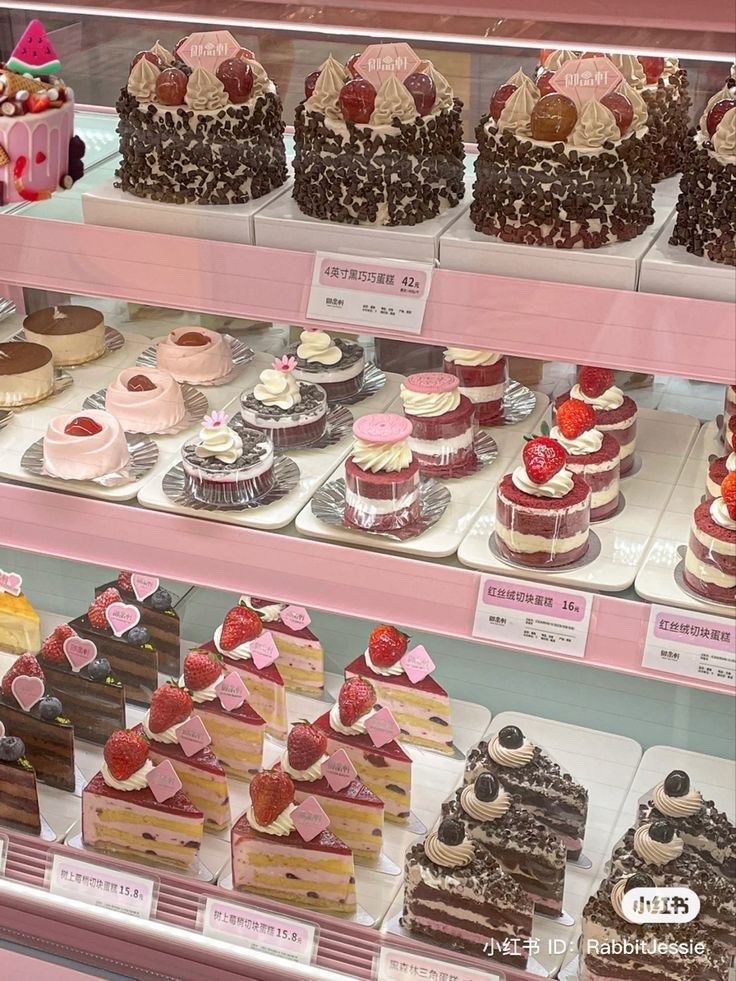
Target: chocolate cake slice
{"points": [[133, 659], [699, 823], [520, 844], [158, 616], [611, 947], [657, 850], [457, 894], [18, 792], [544, 789]]}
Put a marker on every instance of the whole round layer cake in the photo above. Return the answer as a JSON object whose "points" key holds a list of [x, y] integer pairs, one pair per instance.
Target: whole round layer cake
{"points": [[555, 173], [290, 412], [443, 424], [227, 465], [706, 207], [542, 510], [26, 373], [195, 355], [594, 455], [482, 376], [381, 475], [74, 334], [336, 364], [710, 560], [82, 447], [378, 142], [145, 400], [201, 124]]}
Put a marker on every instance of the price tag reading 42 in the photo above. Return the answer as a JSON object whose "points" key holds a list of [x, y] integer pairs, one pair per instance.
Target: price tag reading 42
{"points": [[388, 293], [256, 929], [112, 889]]}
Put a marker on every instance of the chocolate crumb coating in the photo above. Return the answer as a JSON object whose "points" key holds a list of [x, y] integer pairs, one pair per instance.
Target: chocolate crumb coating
{"points": [[357, 175], [181, 156], [668, 106], [709, 833]]}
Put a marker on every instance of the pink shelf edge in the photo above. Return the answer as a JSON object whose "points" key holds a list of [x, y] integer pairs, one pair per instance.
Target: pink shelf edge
{"points": [[616, 328], [373, 585]]}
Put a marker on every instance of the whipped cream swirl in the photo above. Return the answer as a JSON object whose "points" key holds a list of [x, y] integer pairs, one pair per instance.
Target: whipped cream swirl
{"points": [[641, 113], [469, 356], [557, 486], [163, 53], [617, 897], [444, 98], [595, 126], [724, 139], [513, 758], [448, 856], [207, 694], [656, 852], [281, 826], [393, 671], [587, 442], [556, 59], [136, 781], [317, 347], [312, 773], [522, 81], [356, 729], [516, 115], [239, 653], [270, 612], [675, 807], [484, 810], [220, 442], [631, 68], [278, 388], [325, 98], [393, 101], [382, 457], [142, 81], [429, 404], [719, 514], [205, 91], [612, 398], [166, 735]]}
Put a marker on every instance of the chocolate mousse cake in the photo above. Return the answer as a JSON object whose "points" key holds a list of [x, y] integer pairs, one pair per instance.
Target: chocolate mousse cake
{"points": [[541, 786], [200, 124], [18, 792], [73, 334], [336, 364], [378, 142], [710, 559], [482, 376], [457, 895], [594, 455], [519, 843], [158, 615], [289, 412], [703, 828], [443, 424], [26, 374]]}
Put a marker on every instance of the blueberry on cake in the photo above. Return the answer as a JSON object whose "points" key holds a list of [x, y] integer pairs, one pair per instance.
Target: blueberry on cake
{"points": [[543, 788]]}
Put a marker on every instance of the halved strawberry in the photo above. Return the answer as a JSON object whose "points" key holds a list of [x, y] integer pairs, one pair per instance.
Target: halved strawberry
{"points": [[26, 666], [170, 705], [575, 417], [728, 493], [53, 646], [271, 792], [201, 668], [595, 381], [543, 458], [305, 745], [356, 698], [240, 626], [96, 612], [125, 752], [386, 645]]}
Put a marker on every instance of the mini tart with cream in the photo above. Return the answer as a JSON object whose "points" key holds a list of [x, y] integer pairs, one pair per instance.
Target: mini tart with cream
{"points": [[482, 376], [74, 334], [26, 373], [85, 446], [336, 364], [710, 559], [226, 464], [121, 815], [596, 456], [289, 412], [195, 355], [271, 858], [145, 400], [443, 422]]}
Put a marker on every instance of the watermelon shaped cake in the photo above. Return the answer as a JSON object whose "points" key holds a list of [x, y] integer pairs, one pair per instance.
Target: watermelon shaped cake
{"points": [[39, 152]]}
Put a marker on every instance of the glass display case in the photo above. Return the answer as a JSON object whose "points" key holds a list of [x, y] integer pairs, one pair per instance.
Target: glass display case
{"points": [[368, 489]]}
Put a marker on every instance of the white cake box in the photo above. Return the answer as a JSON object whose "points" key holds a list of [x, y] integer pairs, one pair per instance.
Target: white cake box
{"points": [[612, 267], [282, 225], [108, 205], [672, 270]]}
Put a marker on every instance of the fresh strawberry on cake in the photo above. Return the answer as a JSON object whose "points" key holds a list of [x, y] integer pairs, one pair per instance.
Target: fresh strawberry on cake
{"points": [[443, 424], [710, 560], [403, 682], [615, 413], [301, 655], [482, 376], [719, 468], [542, 509], [592, 454]]}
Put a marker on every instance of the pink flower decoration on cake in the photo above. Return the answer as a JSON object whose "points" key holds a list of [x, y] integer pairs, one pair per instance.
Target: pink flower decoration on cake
{"points": [[284, 363], [215, 419]]}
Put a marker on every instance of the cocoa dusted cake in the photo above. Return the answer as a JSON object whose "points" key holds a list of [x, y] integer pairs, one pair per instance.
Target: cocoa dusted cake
{"points": [[291, 413], [74, 334], [565, 169], [26, 374], [200, 124], [379, 141], [443, 424], [336, 364], [543, 788], [482, 376], [594, 455], [227, 465], [458, 895], [710, 559]]}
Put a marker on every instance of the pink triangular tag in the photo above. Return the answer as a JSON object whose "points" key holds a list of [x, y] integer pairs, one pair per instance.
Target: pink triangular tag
{"points": [[338, 771], [231, 691], [309, 819], [417, 664], [10, 582], [382, 727], [192, 736], [263, 650], [163, 781]]}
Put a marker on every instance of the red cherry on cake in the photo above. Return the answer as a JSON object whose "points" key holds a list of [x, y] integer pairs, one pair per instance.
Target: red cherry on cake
{"points": [[350, 65], [544, 81], [171, 87], [553, 118], [594, 382], [728, 493], [386, 645], [192, 338], [82, 426], [574, 418], [622, 110], [543, 458], [422, 89], [140, 383], [310, 82], [357, 99], [717, 113], [237, 78], [305, 745], [653, 67], [500, 97], [149, 56]]}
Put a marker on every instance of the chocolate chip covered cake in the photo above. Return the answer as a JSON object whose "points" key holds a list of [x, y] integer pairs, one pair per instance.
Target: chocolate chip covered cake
{"points": [[378, 142], [201, 124]]}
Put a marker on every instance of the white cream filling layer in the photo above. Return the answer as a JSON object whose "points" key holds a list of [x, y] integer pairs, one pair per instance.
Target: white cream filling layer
{"points": [[604, 496], [708, 573], [369, 505], [330, 375], [484, 393], [713, 544], [539, 543], [440, 447]]}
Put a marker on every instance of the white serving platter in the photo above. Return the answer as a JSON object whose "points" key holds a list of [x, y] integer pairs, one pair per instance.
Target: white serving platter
{"points": [[672, 270]]}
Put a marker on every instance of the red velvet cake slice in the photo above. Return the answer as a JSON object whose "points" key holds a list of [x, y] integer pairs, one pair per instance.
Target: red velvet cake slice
{"points": [[722, 466], [482, 376], [381, 475], [443, 424], [594, 455], [615, 413], [542, 510], [710, 560]]}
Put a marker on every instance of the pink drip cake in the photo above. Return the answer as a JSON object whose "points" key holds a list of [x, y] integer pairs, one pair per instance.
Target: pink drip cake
{"points": [[594, 455], [83, 447], [710, 560], [542, 509], [482, 376], [381, 475], [443, 424], [615, 413], [145, 400], [195, 355]]}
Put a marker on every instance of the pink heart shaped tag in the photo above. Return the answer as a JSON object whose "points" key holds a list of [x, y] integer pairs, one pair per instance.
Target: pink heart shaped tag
{"points": [[27, 691], [309, 819], [417, 664], [121, 617], [163, 781], [231, 691], [79, 653], [382, 727], [263, 650], [143, 586], [295, 617]]}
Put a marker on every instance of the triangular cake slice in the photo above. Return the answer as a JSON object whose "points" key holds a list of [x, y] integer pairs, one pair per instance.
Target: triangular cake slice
{"points": [[20, 625], [301, 655], [457, 895], [158, 616], [546, 790], [271, 858], [18, 792]]}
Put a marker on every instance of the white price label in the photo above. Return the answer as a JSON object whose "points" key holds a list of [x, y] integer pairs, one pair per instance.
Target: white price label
{"points": [[398, 965], [112, 889], [514, 613], [256, 929], [692, 645], [388, 293]]}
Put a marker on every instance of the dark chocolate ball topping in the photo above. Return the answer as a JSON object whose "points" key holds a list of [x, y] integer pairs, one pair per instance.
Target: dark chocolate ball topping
{"points": [[451, 832], [677, 784], [639, 880], [511, 737], [662, 831], [486, 787]]}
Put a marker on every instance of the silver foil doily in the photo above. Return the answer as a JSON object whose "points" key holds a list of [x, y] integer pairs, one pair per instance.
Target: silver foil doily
{"points": [[195, 406], [518, 403], [594, 550], [241, 353], [286, 477], [143, 453]]}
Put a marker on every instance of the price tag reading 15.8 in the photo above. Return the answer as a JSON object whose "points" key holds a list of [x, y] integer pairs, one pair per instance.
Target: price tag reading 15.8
{"points": [[256, 929], [112, 889]]}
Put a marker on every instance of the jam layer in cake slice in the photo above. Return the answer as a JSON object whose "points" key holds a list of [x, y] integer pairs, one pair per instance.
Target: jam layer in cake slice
{"points": [[271, 858], [158, 617], [457, 895], [18, 792], [355, 813], [519, 843], [301, 655], [122, 816], [543, 788]]}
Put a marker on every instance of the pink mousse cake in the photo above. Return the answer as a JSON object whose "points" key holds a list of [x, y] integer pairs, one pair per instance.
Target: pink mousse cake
{"points": [[290, 412], [82, 447], [145, 400], [710, 560], [615, 413], [542, 510], [719, 468], [195, 355], [729, 410], [482, 376], [381, 475], [443, 424], [594, 455]]}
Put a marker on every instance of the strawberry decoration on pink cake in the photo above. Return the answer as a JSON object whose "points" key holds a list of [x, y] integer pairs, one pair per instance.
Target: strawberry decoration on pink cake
{"points": [[593, 454], [710, 559]]}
